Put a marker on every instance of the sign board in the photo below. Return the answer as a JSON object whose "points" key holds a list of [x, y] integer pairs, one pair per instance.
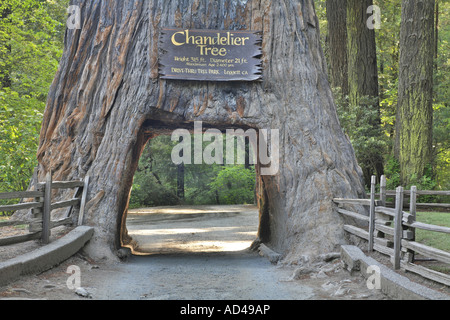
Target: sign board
{"points": [[210, 55]]}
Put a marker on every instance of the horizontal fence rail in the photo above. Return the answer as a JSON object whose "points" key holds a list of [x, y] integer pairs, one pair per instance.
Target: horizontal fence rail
{"points": [[40, 225], [407, 193], [391, 231]]}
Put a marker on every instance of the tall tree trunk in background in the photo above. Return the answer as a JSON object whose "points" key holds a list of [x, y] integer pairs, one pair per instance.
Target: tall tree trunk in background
{"points": [[180, 181], [415, 92], [5, 50], [362, 52], [363, 74], [337, 35], [436, 35]]}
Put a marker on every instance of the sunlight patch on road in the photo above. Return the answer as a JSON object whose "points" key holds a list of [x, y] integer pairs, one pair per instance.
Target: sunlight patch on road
{"points": [[209, 229], [150, 232], [188, 210], [193, 246]]}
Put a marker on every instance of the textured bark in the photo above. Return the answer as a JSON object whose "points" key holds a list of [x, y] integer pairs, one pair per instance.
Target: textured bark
{"points": [[337, 34], [362, 53], [415, 92], [363, 72], [107, 100], [5, 69]]}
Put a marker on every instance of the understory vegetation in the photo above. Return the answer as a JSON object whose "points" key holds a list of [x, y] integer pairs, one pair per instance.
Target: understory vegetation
{"points": [[157, 179]]}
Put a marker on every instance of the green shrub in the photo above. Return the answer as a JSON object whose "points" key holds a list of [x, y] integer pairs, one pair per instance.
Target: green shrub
{"points": [[234, 185]]}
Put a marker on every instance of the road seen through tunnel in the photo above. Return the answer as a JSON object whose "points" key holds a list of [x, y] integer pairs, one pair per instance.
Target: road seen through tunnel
{"points": [[193, 229]]}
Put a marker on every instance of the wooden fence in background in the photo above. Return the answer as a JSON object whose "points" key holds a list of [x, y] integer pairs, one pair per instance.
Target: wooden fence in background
{"points": [[391, 231], [40, 225]]}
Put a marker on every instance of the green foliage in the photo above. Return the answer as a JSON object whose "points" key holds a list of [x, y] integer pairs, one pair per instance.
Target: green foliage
{"points": [[20, 119], [31, 43], [366, 140], [388, 53], [155, 181], [235, 185], [148, 192], [426, 182], [441, 116], [358, 123], [392, 172], [197, 184]]}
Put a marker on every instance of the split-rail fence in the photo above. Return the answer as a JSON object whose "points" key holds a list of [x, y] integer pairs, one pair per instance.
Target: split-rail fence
{"points": [[391, 231], [40, 224]]}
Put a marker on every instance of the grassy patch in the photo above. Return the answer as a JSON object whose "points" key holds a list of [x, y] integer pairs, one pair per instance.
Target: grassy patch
{"points": [[436, 240], [16, 227]]}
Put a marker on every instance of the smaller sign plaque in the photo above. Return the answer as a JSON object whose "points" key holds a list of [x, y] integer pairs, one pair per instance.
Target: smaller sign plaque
{"points": [[210, 55]]}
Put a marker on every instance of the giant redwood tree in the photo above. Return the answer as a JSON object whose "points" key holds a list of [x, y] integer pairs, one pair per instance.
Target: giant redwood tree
{"points": [[107, 100]]}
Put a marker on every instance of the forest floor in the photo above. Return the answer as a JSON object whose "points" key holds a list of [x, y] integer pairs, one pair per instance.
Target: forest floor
{"points": [[192, 253]]}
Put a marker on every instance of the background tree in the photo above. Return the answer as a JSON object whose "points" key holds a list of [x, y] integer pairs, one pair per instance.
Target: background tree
{"points": [[336, 11], [5, 44], [363, 86], [362, 53], [415, 92], [441, 106]]}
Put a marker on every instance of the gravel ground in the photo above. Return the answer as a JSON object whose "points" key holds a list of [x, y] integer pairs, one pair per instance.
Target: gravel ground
{"points": [[193, 253]]}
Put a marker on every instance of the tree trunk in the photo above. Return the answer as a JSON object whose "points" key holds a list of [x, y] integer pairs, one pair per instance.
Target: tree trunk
{"points": [[363, 75], [5, 50], [415, 92], [107, 99], [362, 52], [436, 36], [337, 35]]}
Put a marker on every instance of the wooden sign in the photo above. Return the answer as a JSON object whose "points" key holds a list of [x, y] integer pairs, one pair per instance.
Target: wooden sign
{"points": [[210, 55]]}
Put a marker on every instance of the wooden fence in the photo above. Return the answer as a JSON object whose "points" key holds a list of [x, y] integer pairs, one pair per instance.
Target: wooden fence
{"points": [[391, 231], [41, 224]]}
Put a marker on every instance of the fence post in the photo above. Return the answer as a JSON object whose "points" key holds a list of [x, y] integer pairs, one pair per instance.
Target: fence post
{"points": [[383, 190], [412, 211], [372, 212], [83, 201], [36, 212], [412, 202], [46, 212], [398, 229]]}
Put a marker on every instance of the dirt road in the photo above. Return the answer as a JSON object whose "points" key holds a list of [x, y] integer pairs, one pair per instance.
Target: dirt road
{"points": [[194, 253]]}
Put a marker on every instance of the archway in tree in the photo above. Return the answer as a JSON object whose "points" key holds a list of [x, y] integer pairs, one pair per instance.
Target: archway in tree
{"points": [[107, 96], [188, 207]]}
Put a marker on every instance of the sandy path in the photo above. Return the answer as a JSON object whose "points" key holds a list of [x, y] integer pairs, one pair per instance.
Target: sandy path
{"points": [[193, 228]]}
